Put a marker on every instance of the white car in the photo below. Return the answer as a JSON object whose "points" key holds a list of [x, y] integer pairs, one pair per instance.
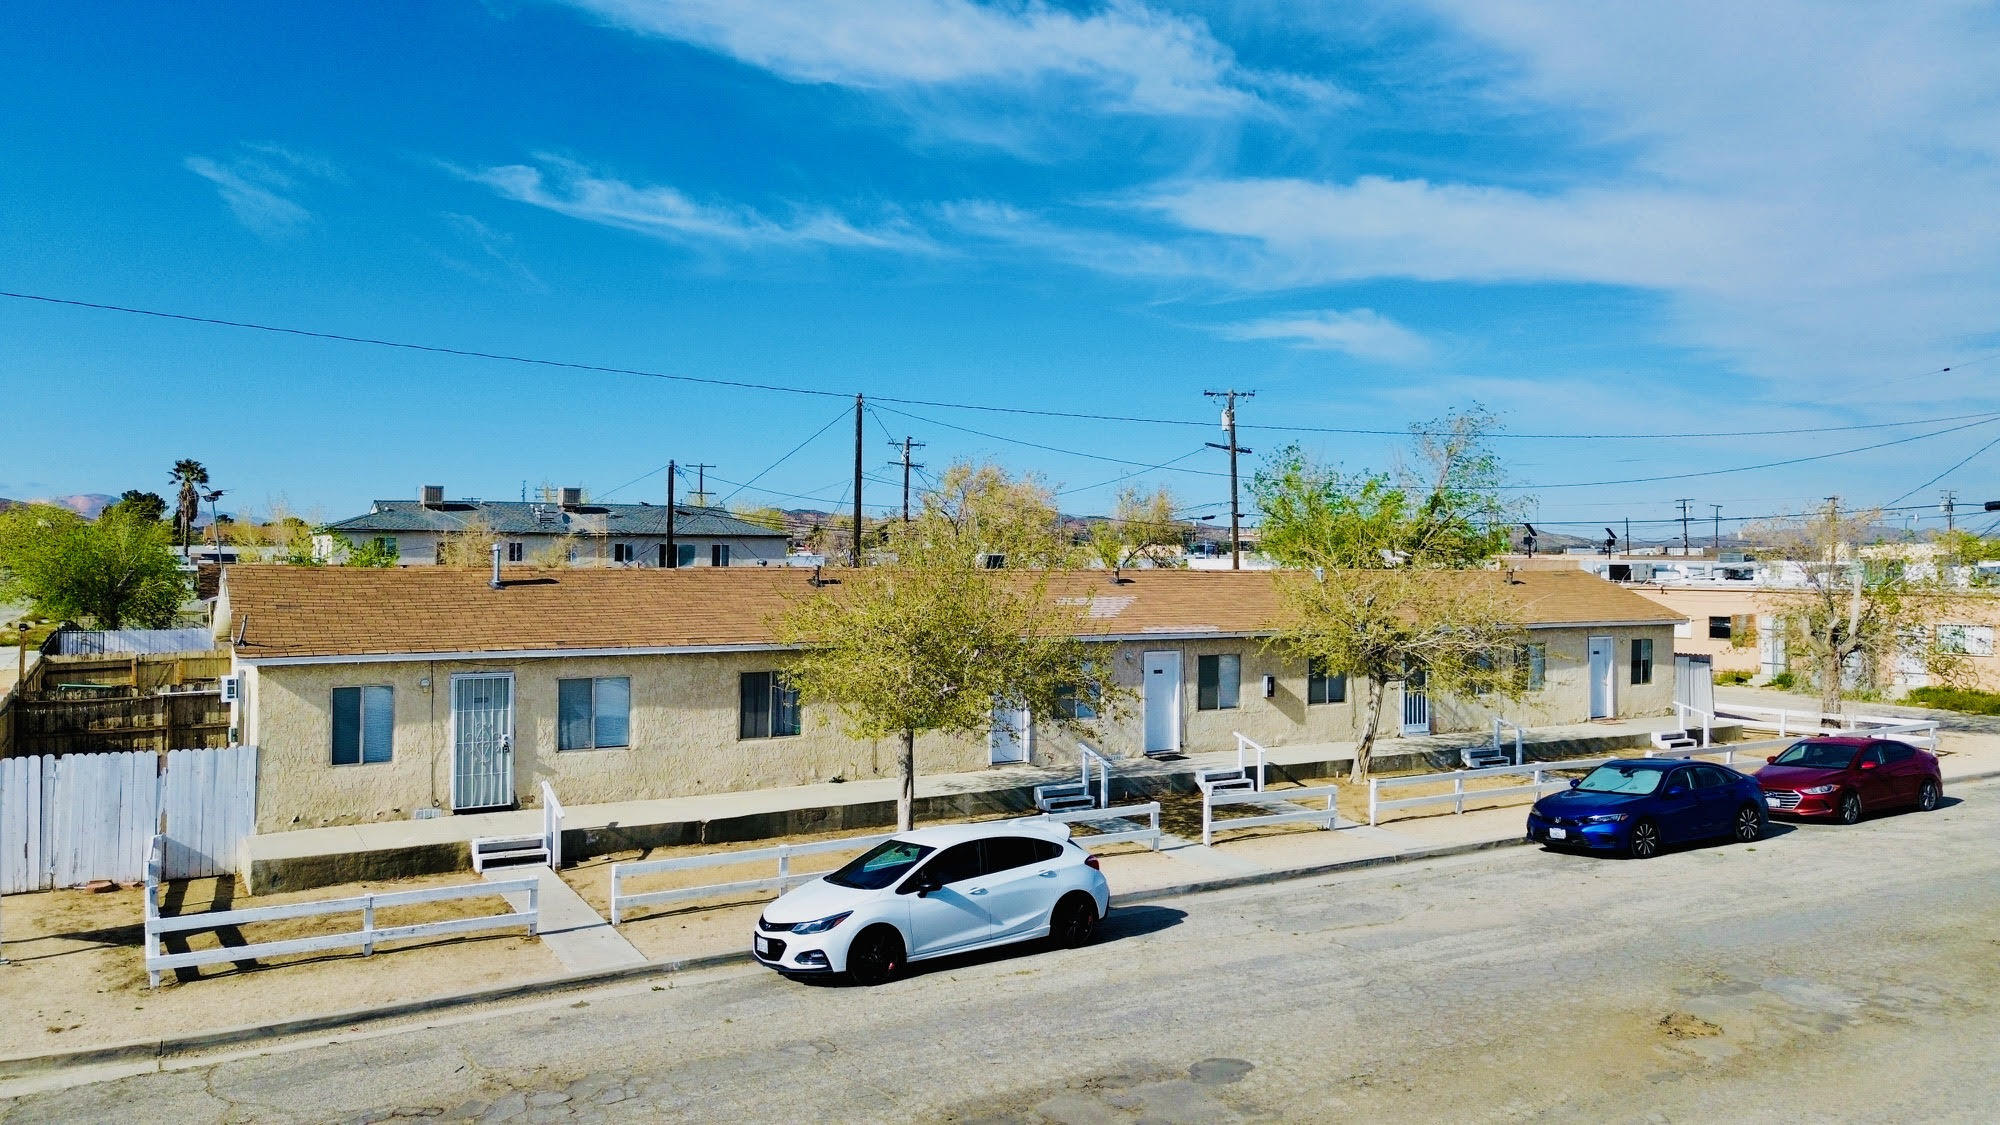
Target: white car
{"points": [[935, 891]]}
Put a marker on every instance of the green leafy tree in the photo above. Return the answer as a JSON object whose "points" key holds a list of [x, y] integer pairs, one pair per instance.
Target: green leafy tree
{"points": [[190, 476], [929, 641], [371, 552], [1396, 589], [118, 571], [141, 505], [1142, 527]]}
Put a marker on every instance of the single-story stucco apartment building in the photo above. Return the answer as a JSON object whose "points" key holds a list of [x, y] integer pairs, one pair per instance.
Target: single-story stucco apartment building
{"points": [[380, 694]]}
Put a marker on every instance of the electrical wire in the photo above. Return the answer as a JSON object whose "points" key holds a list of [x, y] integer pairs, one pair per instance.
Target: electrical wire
{"points": [[788, 455], [1046, 448], [1089, 416], [1959, 465]]}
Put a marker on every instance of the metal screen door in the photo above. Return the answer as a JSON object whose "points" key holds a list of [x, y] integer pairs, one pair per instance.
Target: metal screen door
{"points": [[482, 735]]}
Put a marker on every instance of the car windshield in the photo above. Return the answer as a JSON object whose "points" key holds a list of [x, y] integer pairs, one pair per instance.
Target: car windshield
{"points": [[1817, 755], [880, 865], [1622, 779]]}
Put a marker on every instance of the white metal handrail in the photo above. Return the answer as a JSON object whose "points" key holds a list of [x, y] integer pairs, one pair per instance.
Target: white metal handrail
{"points": [[782, 881], [1519, 748], [1089, 756], [1266, 797], [365, 939], [1244, 744], [552, 822], [1684, 713]]}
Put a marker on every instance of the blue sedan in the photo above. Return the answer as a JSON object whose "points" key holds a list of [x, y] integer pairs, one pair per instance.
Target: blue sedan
{"points": [[1636, 807]]}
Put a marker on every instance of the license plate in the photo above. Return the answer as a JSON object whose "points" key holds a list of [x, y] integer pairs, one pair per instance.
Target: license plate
{"points": [[762, 945], [1558, 833], [1771, 801]]}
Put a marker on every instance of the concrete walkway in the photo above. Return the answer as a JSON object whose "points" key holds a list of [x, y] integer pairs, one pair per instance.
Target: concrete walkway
{"points": [[579, 936], [326, 856]]}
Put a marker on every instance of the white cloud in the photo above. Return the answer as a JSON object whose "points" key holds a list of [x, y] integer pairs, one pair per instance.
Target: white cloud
{"points": [[1361, 333], [1135, 59], [664, 212], [253, 188]]}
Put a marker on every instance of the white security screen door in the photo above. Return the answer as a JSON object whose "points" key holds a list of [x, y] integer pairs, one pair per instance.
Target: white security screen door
{"points": [[1011, 734], [1162, 694], [1416, 703], [482, 740], [1602, 667]]}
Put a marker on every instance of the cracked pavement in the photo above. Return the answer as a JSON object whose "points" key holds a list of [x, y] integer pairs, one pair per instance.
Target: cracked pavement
{"points": [[1822, 973]]}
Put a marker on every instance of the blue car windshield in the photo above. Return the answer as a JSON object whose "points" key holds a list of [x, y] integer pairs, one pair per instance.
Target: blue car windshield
{"points": [[880, 865], [1622, 779], [1817, 755]]}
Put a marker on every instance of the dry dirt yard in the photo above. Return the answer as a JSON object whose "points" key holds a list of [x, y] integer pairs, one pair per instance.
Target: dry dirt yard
{"points": [[77, 976]]}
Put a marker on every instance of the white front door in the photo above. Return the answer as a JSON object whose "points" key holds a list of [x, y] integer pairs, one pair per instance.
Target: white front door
{"points": [[1603, 697], [482, 741], [1012, 735], [1162, 692]]}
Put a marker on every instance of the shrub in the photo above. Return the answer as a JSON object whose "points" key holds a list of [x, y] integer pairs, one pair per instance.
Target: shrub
{"points": [[1956, 699], [1784, 681], [1732, 676]]}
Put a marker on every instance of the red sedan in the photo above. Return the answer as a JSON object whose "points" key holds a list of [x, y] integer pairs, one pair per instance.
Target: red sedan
{"points": [[1845, 776]]}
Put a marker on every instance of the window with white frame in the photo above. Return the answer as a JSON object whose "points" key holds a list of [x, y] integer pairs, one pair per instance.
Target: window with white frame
{"points": [[1966, 640], [624, 553], [593, 714], [1218, 682], [1078, 701], [768, 707], [1322, 686], [718, 554], [516, 552], [1531, 666], [364, 724]]}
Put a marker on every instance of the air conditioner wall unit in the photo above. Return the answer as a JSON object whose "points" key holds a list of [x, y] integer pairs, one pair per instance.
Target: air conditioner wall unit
{"points": [[232, 689]]}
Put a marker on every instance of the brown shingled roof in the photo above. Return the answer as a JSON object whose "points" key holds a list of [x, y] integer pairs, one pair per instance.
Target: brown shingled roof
{"points": [[337, 611]]}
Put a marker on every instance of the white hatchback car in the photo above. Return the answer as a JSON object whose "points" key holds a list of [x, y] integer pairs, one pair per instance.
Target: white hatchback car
{"points": [[935, 891]]}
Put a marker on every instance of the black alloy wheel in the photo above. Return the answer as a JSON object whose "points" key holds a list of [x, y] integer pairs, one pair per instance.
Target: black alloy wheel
{"points": [[876, 956], [1850, 808], [1927, 797], [1749, 826], [1073, 923], [1643, 842]]}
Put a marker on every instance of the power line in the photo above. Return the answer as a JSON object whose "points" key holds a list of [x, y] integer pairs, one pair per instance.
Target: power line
{"points": [[1041, 446], [1078, 415], [788, 455], [1955, 467]]}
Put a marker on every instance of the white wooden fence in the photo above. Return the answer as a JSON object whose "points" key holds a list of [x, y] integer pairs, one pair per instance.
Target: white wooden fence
{"points": [[780, 882], [67, 820], [365, 939], [1211, 799], [1149, 835]]}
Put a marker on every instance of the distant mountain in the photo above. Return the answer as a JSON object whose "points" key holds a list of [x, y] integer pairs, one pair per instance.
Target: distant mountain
{"points": [[86, 504]]}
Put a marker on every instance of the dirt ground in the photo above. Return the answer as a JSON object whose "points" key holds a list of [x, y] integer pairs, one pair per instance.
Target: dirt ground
{"points": [[77, 974]]}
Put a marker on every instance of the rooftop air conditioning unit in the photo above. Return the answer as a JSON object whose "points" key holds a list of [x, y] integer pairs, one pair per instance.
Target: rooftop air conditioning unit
{"points": [[572, 497], [433, 496]]}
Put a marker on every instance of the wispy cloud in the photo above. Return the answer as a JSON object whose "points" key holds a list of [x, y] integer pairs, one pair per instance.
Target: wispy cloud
{"points": [[257, 185], [1361, 333], [1131, 58], [494, 260], [665, 212]]}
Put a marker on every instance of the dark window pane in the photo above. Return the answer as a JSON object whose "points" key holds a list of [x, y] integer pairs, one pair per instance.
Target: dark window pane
{"points": [[346, 726], [1206, 673], [614, 711], [573, 715], [1046, 850], [1229, 679], [1718, 628], [784, 707], [754, 707], [378, 723], [955, 863], [1004, 853]]}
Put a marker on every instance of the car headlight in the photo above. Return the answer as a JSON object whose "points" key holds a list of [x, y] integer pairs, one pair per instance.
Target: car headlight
{"points": [[1820, 790], [822, 925], [1604, 818]]}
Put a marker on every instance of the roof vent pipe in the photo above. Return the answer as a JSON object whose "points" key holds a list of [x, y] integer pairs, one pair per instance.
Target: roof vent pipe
{"points": [[496, 567]]}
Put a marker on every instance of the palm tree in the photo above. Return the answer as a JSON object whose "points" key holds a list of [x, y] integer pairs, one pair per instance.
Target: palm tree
{"points": [[190, 474]]}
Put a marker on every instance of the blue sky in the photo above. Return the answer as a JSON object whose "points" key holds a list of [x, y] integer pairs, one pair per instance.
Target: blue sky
{"points": [[1591, 218]]}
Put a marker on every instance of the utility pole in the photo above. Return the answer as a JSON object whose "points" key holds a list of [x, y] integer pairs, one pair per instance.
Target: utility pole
{"points": [[1686, 547], [1628, 535], [701, 483], [1718, 529], [673, 558], [906, 445], [1950, 510], [854, 555], [1229, 398]]}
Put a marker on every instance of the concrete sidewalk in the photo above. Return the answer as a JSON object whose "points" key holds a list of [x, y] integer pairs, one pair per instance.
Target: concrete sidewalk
{"points": [[391, 849], [579, 936]]}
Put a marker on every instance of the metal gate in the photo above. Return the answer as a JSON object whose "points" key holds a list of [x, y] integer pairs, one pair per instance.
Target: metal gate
{"points": [[482, 740], [1416, 703]]}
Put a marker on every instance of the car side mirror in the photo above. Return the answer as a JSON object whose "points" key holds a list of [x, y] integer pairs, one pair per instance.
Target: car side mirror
{"points": [[1677, 791], [1575, 781], [921, 887], [1771, 758]]}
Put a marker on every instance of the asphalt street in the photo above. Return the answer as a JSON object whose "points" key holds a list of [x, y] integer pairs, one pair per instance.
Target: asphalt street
{"points": [[1823, 973]]}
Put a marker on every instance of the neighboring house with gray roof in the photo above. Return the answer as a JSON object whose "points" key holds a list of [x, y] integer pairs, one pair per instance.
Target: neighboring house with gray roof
{"points": [[633, 535]]}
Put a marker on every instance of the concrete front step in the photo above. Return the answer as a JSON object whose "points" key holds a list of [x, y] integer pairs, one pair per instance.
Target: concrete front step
{"points": [[287, 861]]}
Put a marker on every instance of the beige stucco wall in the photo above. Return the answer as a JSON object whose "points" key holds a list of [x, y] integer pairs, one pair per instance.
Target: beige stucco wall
{"points": [[684, 726]]}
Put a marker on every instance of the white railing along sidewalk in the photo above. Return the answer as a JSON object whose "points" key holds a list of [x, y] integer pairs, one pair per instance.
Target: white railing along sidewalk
{"points": [[1217, 797], [364, 939], [1069, 791], [782, 881], [1519, 736], [552, 824], [1248, 775], [1685, 713]]}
